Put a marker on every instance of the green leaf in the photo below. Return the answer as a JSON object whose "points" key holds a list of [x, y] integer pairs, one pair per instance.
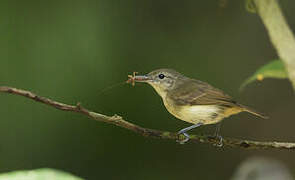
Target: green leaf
{"points": [[274, 69], [38, 174]]}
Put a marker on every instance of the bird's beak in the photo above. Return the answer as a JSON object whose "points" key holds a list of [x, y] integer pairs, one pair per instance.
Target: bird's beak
{"points": [[141, 78], [134, 78]]}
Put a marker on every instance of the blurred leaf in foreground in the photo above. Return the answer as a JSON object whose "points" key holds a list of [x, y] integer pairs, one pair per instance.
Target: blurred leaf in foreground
{"points": [[274, 69], [261, 168], [38, 174]]}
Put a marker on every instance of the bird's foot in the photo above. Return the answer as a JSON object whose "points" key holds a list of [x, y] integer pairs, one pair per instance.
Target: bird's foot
{"points": [[219, 139], [183, 132], [183, 141]]}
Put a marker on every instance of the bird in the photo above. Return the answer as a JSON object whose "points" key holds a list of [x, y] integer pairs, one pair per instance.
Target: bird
{"points": [[192, 100]]}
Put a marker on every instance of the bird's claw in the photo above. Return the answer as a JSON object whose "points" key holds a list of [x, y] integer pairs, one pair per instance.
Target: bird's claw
{"points": [[220, 141], [183, 141]]}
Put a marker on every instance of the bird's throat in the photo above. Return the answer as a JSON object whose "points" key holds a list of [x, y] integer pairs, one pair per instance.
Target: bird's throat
{"points": [[159, 90]]}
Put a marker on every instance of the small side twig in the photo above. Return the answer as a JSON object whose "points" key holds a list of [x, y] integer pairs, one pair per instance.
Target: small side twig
{"points": [[119, 121]]}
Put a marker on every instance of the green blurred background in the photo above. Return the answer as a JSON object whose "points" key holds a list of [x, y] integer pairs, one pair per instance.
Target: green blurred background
{"points": [[71, 50]]}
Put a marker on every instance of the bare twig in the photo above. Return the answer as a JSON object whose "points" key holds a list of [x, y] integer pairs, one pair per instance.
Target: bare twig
{"points": [[119, 121]]}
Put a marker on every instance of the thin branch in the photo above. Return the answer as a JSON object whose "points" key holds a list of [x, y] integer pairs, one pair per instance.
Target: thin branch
{"points": [[119, 121], [279, 32]]}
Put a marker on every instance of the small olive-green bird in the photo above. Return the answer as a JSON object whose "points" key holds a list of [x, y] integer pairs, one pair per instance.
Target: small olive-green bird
{"points": [[192, 100]]}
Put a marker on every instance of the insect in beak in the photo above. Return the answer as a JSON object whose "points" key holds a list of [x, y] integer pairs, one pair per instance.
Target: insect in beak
{"points": [[134, 78]]}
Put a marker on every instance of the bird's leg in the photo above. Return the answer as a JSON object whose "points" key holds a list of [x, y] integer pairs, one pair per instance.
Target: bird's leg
{"points": [[217, 130], [217, 135], [183, 131]]}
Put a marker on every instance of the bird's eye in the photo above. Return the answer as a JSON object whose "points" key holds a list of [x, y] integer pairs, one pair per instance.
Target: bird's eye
{"points": [[161, 76]]}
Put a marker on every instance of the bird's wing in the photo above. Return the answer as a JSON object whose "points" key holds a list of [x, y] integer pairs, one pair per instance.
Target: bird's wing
{"points": [[199, 93]]}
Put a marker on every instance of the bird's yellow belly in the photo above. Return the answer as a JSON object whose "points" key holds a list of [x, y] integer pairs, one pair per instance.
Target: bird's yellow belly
{"points": [[206, 114]]}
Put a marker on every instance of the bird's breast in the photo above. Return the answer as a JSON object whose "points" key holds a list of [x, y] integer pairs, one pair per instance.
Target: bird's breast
{"points": [[206, 114]]}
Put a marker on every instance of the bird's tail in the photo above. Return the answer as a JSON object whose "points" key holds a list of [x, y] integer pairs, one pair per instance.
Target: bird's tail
{"points": [[252, 111]]}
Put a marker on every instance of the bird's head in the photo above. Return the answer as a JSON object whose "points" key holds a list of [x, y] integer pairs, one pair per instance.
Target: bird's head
{"points": [[162, 80]]}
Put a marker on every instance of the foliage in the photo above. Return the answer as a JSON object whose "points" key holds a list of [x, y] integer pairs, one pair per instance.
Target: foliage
{"points": [[38, 174], [274, 69]]}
